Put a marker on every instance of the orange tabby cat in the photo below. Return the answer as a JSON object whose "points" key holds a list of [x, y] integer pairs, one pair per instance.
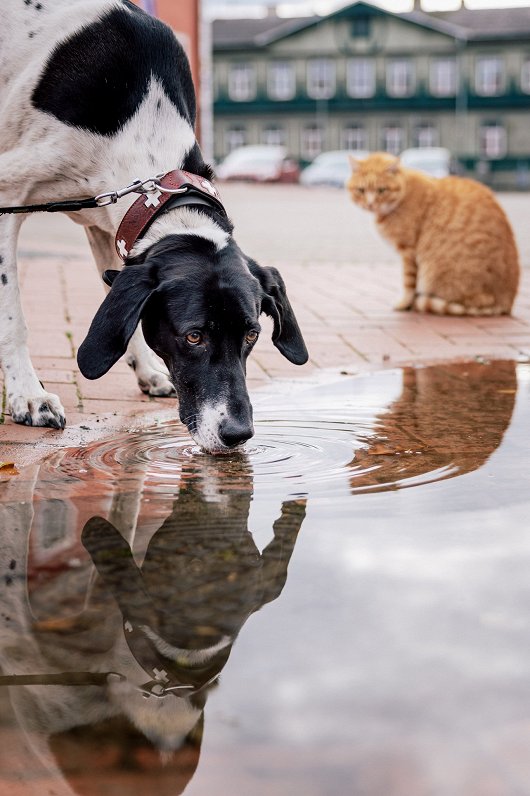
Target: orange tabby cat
{"points": [[459, 253]]}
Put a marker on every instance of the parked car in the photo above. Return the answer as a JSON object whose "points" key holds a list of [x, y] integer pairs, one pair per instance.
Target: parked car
{"points": [[259, 164], [433, 160], [330, 168]]}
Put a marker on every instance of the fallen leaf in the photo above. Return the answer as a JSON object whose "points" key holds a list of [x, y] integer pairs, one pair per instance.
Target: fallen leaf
{"points": [[8, 468]]}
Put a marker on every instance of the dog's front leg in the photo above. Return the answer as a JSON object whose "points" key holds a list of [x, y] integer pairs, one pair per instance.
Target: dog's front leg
{"points": [[28, 401], [151, 373]]}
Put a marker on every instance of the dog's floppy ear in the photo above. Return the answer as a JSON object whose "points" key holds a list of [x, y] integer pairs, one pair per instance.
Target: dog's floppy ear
{"points": [[286, 334], [116, 320]]}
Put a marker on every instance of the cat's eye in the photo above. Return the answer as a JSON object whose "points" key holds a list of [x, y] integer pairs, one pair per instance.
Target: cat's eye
{"points": [[382, 190], [360, 190], [194, 337], [251, 336]]}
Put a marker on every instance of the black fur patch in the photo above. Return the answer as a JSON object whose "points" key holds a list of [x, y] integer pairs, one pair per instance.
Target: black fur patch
{"points": [[4, 279], [97, 78]]}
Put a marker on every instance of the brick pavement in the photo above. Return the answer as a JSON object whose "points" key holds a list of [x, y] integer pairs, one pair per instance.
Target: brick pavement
{"points": [[342, 280]]}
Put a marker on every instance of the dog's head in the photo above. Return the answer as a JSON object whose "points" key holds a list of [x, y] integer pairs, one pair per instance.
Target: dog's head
{"points": [[199, 308]]}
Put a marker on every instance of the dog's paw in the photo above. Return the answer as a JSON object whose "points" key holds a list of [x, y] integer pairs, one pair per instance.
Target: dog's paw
{"points": [[152, 376], [157, 384], [43, 410]]}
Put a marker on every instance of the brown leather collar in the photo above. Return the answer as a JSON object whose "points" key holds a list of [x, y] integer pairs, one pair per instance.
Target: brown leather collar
{"points": [[143, 211]]}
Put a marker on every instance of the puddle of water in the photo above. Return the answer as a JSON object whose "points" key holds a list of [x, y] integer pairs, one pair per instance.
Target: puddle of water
{"points": [[341, 607]]}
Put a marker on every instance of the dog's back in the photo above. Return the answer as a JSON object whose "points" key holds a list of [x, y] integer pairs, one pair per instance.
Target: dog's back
{"points": [[90, 64]]}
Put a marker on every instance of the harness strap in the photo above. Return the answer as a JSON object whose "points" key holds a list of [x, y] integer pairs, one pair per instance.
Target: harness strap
{"points": [[146, 208]]}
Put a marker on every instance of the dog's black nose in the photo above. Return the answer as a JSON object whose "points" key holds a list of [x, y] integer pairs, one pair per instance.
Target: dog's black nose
{"points": [[233, 433]]}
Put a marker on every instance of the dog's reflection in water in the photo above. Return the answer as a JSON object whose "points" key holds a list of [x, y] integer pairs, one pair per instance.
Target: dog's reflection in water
{"points": [[159, 630]]}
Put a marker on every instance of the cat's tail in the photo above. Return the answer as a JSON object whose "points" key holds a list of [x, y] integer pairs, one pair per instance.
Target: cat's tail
{"points": [[440, 306]]}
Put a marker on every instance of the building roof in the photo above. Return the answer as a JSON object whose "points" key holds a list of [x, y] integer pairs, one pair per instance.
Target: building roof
{"points": [[489, 23], [235, 33], [473, 25]]}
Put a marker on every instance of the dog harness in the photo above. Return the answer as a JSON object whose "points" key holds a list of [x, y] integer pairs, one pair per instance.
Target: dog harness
{"points": [[174, 189], [157, 194]]}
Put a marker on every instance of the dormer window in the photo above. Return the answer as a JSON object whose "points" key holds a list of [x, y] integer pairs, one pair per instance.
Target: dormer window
{"points": [[360, 27]]}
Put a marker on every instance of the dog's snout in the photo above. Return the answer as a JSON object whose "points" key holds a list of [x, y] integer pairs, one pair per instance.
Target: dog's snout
{"points": [[232, 433]]}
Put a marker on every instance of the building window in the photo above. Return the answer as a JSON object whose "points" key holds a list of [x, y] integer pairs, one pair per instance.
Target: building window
{"points": [[442, 78], [242, 82], [360, 77], [525, 76], [400, 78], [392, 139], [489, 76], [273, 134], [360, 27], [493, 141], [312, 141], [426, 134], [236, 136], [321, 78], [354, 137], [281, 80]]}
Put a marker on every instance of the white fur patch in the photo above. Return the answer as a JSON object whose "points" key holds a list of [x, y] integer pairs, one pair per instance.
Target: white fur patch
{"points": [[183, 221], [206, 433], [186, 657]]}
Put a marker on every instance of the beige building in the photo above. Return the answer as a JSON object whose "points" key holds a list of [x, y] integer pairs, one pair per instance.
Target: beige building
{"points": [[364, 79]]}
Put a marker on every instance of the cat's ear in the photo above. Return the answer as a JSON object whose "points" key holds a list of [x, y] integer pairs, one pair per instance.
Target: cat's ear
{"points": [[394, 167], [354, 163]]}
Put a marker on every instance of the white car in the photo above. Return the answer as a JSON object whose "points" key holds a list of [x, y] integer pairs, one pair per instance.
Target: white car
{"points": [[330, 168], [259, 164], [433, 160]]}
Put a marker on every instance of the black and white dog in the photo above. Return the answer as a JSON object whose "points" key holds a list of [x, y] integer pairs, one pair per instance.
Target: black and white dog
{"points": [[95, 94]]}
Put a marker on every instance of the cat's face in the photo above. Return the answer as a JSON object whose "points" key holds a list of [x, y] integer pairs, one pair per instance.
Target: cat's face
{"points": [[377, 183]]}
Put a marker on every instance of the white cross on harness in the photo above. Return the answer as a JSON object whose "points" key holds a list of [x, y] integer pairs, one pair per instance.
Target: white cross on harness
{"points": [[161, 675], [153, 199], [209, 187], [122, 248]]}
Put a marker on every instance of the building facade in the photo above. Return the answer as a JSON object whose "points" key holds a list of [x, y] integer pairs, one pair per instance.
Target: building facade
{"points": [[366, 79]]}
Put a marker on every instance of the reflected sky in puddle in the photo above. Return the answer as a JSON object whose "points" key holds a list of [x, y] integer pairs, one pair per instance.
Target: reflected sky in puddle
{"points": [[342, 608]]}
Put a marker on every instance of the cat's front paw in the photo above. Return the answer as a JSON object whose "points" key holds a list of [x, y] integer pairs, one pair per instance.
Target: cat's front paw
{"points": [[405, 302]]}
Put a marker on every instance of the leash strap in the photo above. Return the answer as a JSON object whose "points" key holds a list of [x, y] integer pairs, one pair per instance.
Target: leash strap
{"points": [[60, 678], [67, 206], [152, 184]]}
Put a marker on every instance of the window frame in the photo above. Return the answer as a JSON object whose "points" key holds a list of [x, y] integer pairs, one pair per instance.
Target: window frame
{"points": [[306, 151], [391, 65], [358, 127], [501, 152], [272, 69], [351, 82], [480, 88], [234, 88], [312, 89], [385, 128], [433, 87]]}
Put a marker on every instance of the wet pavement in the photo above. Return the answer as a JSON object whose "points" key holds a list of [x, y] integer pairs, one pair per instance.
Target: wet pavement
{"points": [[343, 607]]}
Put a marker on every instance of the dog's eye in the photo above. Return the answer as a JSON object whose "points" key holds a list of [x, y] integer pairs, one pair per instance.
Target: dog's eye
{"points": [[251, 336], [381, 190], [194, 338], [360, 190]]}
